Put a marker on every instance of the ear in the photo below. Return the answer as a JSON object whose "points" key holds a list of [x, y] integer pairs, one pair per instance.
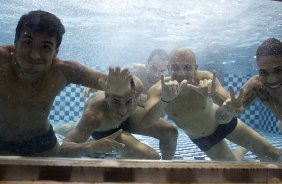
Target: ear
{"points": [[196, 67], [57, 51]]}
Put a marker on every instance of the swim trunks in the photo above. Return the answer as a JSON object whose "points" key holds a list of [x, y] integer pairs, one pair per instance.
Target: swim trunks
{"points": [[30, 147], [101, 134], [206, 143]]}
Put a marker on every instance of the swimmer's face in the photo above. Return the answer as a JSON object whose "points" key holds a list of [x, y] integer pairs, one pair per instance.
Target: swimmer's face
{"points": [[270, 74], [121, 107], [35, 52], [155, 68], [181, 68]]}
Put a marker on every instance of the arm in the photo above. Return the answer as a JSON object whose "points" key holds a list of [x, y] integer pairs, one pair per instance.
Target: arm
{"points": [[210, 86], [218, 93], [250, 90], [154, 107], [76, 144], [117, 81], [160, 96]]}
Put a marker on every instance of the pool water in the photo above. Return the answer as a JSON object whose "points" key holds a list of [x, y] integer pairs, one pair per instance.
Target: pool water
{"points": [[223, 34]]}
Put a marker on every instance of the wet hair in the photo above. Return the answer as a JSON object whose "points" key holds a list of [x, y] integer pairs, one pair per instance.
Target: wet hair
{"points": [[41, 22], [160, 52], [270, 47]]}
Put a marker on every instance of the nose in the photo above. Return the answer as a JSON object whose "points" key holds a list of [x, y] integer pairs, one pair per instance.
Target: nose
{"points": [[122, 110], [34, 53]]}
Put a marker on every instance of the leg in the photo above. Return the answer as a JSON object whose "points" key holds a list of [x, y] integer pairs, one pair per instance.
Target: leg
{"points": [[65, 128], [134, 149], [164, 132], [221, 152], [246, 137]]}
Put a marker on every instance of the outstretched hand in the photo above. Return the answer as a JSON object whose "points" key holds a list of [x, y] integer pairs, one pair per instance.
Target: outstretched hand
{"points": [[231, 107], [234, 104], [118, 81], [107, 144], [206, 87], [171, 89]]}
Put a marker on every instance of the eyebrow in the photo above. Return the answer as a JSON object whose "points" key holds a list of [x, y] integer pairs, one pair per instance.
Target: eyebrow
{"points": [[30, 37]]}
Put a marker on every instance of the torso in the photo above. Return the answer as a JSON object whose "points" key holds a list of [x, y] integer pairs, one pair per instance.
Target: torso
{"points": [[254, 86], [24, 107], [193, 113]]}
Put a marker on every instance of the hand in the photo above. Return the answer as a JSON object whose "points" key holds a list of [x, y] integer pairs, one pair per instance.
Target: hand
{"points": [[206, 87], [171, 89], [86, 91], [118, 81], [234, 105], [231, 107], [107, 144]]}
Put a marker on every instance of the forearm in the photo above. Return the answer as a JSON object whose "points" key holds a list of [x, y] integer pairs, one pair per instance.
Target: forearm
{"points": [[154, 113], [72, 149], [142, 100]]}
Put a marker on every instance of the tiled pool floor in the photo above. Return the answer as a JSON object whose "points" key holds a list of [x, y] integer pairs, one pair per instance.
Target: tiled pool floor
{"points": [[187, 150]]}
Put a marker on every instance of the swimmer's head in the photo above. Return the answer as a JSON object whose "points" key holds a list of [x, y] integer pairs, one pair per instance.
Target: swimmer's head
{"points": [[182, 65]]}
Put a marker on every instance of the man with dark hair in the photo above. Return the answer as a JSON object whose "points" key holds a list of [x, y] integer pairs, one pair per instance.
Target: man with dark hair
{"points": [[267, 86], [105, 114], [31, 75]]}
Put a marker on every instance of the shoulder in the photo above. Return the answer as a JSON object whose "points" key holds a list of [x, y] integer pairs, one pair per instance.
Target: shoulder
{"points": [[96, 101], [136, 68], [253, 84], [6, 53]]}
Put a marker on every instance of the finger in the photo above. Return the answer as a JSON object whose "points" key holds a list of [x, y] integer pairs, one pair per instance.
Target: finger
{"points": [[181, 86], [201, 84], [128, 77], [162, 81], [174, 89], [232, 94], [102, 84], [125, 72], [212, 91], [111, 71], [117, 70], [115, 135], [116, 146], [86, 91], [240, 95], [194, 88]]}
